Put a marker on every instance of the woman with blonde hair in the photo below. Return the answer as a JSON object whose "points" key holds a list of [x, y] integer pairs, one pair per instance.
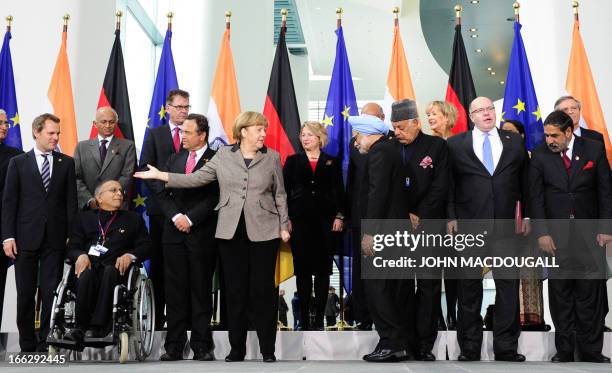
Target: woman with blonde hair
{"points": [[441, 117]]}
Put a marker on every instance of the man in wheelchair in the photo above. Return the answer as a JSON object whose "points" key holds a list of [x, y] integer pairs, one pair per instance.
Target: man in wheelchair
{"points": [[103, 245]]}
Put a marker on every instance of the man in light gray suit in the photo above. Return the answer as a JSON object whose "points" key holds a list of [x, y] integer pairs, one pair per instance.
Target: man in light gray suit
{"points": [[103, 158]]}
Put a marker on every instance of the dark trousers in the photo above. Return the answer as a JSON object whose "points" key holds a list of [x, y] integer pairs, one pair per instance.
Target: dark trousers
{"points": [[249, 279], [578, 311], [28, 265], [450, 292], [156, 266], [189, 270], [428, 294], [506, 327], [391, 304], [95, 291], [360, 304], [4, 260], [304, 289]]}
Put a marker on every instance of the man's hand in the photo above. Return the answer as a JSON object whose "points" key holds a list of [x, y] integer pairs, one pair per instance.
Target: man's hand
{"points": [[92, 204], [182, 223], [81, 264], [603, 239], [285, 236], [547, 244], [367, 245], [451, 227], [338, 225], [414, 220], [10, 249], [123, 263]]}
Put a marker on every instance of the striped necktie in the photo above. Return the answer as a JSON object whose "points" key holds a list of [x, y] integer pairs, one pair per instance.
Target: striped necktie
{"points": [[45, 172]]}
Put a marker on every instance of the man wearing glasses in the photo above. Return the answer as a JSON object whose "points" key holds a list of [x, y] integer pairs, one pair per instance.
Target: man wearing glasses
{"points": [[105, 157], [160, 143], [488, 177]]}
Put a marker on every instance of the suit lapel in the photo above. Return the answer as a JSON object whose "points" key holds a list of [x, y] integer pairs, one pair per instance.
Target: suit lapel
{"points": [[578, 158], [258, 156], [94, 149], [35, 171], [468, 144], [58, 166], [506, 150], [208, 154], [181, 162], [113, 148]]}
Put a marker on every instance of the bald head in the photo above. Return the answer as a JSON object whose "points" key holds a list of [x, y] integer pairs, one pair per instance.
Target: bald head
{"points": [[106, 121], [372, 108], [482, 113]]}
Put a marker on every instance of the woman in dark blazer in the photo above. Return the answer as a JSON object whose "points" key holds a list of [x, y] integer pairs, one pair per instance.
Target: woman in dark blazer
{"points": [[315, 195], [252, 217]]}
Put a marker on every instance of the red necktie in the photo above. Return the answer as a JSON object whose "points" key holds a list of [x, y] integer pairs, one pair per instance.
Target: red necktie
{"points": [[566, 161], [191, 162], [176, 139]]}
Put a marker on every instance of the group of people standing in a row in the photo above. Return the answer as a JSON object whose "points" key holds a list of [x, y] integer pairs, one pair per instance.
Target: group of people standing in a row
{"points": [[237, 203]]}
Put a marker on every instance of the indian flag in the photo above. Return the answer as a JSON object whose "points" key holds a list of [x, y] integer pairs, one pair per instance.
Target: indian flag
{"points": [[224, 105]]}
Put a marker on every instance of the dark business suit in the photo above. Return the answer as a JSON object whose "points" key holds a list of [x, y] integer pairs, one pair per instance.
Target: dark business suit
{"points": [[426, 198], [356, 202], [189, 258], [126, 233], [6, 153], [391, 301], [577, 303], [475, 194], [591, 135], [158, 147], [40, 222], [315, 199]]}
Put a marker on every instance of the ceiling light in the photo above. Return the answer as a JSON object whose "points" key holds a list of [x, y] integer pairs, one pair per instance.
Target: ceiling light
{"points": [[473, 29], [474, 35], [489, 69], [501, 82], [474, 1], [492, 72], [478, 50]]}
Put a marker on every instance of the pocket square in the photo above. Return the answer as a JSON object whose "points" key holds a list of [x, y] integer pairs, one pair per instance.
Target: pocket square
{"points": [[426, 162], [588, 165]]}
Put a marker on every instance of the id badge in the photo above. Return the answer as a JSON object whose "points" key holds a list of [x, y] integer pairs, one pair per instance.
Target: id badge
{"points": [[407, 182], [97, 250]]}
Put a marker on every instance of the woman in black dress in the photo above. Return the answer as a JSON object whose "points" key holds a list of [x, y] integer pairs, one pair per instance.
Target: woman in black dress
{"points": [[315, 195]]}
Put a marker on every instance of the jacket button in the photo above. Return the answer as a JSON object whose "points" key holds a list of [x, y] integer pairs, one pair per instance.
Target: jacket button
{"points": [[243, 197]]}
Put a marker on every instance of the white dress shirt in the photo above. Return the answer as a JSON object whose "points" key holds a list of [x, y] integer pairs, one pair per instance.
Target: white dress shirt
{"points": [[496, 144], [570, 149], [172, 127], [577, 131], [109, 139], [40, 160]]}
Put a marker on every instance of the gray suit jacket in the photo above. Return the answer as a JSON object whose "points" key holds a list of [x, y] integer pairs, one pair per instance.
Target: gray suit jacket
{"points": [[118, 165], [258, 190]]}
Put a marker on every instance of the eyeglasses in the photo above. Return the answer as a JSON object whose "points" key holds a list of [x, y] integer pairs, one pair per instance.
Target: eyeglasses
{"points": [[4, 123], [483, 110], [181, 107], [114, 190]]}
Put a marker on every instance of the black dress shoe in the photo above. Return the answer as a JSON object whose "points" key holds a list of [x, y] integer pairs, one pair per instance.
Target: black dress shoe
{"points": [[561, 357], [595, 358], [233, 357], [515, 358], [171, 356], [203, 355], [268, 358], [426, 356], [467, 357], [376, 350], [75, 335], [388, 356]]}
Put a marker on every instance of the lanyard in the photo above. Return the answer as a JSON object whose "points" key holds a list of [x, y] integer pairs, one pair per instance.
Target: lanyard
{"points": [[104, 230]]}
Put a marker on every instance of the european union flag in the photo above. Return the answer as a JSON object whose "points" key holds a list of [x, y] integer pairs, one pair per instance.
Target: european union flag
{"points": [[165, 82], [520, 101], [8, 98], [341, 104]]}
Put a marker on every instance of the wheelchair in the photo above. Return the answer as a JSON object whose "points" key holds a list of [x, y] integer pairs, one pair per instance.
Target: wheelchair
{"points": [[133, 317]]}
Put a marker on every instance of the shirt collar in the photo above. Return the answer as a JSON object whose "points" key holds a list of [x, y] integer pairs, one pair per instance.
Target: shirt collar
{"points": [[173, 126], [493, 132], [570, 146], [577, 131], [109, 139], [201, 151], [38, 152]]}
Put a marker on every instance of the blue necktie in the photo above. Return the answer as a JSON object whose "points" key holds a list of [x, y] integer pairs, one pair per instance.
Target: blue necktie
{"points": [[487, 154]]}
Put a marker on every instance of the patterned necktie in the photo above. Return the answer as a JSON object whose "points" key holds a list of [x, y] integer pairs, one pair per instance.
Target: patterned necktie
{"points": [[103, 150], [566, 161], [45, 172], [191, 162], [176, 139], [487, 154]]}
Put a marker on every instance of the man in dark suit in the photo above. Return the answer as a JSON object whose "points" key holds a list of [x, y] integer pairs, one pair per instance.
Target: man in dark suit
{"points": [[102, 246], [571, 106], [425, 160], [6, 153], [38, 207], [388, 299], [105, 157], [570, 183], [488, 177], [189, 247], [161, 142]]}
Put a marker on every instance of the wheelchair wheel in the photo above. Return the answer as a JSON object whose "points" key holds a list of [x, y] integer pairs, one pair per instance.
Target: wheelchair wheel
{"points": [[124, 347], [143, 319], [53, 351]]}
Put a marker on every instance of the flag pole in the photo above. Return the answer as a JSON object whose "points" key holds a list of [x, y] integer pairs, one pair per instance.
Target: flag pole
{"points": [[118, 16], [458, 10], [339, 17], [170, 15], [396, 16], [9, 20], [228, 16], [516, 7], [575, 5]]}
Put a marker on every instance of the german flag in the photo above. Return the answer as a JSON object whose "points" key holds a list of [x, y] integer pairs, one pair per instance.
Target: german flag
{"points": [[115, 93], [281, 108], [460, 90]]}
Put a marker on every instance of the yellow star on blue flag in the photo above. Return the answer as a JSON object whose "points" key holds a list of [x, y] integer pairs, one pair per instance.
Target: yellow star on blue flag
{"points": [[520, 106], [139, 201], [15, 120], [327, 120]]}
